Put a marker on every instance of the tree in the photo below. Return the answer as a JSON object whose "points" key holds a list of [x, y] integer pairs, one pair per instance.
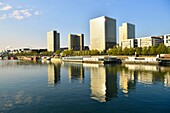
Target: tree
{"points": [[95, 52], [126, 51], [152, 50], [138, 50], [119, 50], [169, 50], [145, 51], [46, 53], [114, 51], [58, 52], [67, 53], [131, 51], [162, 49]]}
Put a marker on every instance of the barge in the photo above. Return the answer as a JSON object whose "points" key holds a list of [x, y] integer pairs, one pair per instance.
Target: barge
{"points": [[91, 59], [141, 60]]}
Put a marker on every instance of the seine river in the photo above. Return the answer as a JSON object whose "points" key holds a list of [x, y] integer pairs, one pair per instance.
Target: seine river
{"points": [[27, 87]]}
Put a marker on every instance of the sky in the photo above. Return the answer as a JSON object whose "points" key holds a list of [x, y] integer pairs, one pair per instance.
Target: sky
{"points": [[26, 22]]}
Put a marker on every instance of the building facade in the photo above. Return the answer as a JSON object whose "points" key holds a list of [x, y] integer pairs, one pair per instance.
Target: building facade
{"points": [[76, 42], [102, 33], [129, 43], [126, 31], [167, 40], [53, 41], [149, 41]]}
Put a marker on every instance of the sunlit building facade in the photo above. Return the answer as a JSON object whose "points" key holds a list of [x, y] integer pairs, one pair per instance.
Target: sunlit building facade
{"points": [[76, 42], [149, 41], [102, 33], [126, 31], [129, 43], [53, 41], [167, 40]]}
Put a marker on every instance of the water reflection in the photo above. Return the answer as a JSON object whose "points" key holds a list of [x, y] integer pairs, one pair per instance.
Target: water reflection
{"points": [[127, 80], [151, 74], [54, 74], [106, 80], [75, 71], [103, 82]]}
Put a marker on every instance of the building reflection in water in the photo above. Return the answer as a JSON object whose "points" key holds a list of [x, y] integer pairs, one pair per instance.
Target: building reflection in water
{"points": [[103, 83], [53, 74], [166, 76], [75, 71], [127, 80], [149, 74]]}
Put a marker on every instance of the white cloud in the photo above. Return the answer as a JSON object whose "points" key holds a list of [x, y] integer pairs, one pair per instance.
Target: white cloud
{"points": [[38, 13], [21, 14], [3, 16], [6, 8], [1, 3]]}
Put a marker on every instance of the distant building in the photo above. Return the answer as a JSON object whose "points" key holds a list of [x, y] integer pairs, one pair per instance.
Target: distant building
{"points": [[129, 43], [76, 42], [126, 31], [149, 41], [167, 40], [38, 49], [102, 33], [53, 41]]}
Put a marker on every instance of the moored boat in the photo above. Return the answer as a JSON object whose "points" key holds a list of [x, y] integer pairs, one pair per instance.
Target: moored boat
{"points": [[142, 60]]}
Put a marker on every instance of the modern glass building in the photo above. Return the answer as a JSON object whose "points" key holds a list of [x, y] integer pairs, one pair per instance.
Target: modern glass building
{"points": [[76, 42], [102, 33], [53, 41], [126, 31]]}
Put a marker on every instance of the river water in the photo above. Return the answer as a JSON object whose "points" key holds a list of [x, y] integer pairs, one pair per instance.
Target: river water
{"points": [[28, 87]]}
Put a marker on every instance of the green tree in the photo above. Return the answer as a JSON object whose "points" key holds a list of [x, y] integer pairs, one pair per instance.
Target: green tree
{"points": [[46, 53], [145, 51], [131, 51], [138, 50], [119, 50], [126, 51], [58, 52], [152, 50], [162, 49], [169, 50], [95, 52], [67, 53], [114, 50]]}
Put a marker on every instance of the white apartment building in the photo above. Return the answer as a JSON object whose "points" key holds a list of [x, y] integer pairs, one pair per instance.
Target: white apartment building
{"points": [[167, 40], [129, 43], [149, 41]]}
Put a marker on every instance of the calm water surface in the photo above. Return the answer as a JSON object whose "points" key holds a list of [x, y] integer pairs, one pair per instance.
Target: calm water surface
{"points": [[27, 87]]}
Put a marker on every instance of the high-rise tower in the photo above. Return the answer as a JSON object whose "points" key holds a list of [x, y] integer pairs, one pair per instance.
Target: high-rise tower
{"points": [[102, 33]]}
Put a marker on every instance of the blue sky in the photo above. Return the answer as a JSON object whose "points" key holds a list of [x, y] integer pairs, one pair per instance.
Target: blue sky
{"points": [[26, 22]]}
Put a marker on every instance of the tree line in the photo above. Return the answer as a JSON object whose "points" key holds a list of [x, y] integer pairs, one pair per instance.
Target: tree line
{"points": [[147, 51]]}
